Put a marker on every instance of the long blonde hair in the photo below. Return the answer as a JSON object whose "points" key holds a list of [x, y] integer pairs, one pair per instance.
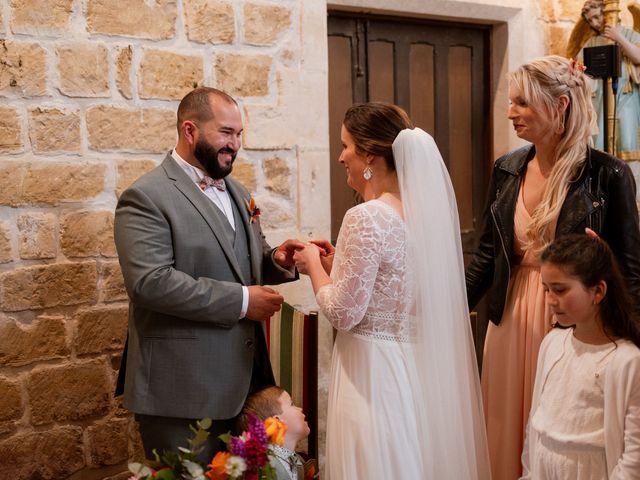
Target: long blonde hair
{"points": [[541, 83]]}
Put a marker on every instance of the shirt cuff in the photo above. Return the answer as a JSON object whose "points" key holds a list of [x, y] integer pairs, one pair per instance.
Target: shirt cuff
{"points": [[245, 302]]}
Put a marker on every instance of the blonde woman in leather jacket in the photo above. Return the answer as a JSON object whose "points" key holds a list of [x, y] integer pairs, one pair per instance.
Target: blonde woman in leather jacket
{"points": [[556, 185]]}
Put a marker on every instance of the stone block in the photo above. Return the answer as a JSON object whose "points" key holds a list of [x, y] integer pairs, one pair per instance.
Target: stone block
{"points": [[571, 11], [53, 129], [6, 252], [64, 182], [168, 75], [108, 442], [84, 70], [209, 21], [129, 171], [87, 234], [23, 69], [274, 214], [11, 178], [547, 10], [43, 339], [10, 400], [263, 129], [38, 237], [133, 18], [40, 16], [264, 22], [45, 286], [69, 392], [278, 176], [245, 173], [558, 37], [10, 130], [304, 113], [243, 75], [143, 130], [101, 329], [314, 188], [111, 282], [46, 455], [123, 71]]}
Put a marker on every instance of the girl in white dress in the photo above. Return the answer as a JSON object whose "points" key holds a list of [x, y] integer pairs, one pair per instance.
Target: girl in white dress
{"points": [[585, 416], [404, 397]]}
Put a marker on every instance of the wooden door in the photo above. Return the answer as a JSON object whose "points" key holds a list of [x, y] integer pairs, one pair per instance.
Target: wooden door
{"points": [[438, 72]]}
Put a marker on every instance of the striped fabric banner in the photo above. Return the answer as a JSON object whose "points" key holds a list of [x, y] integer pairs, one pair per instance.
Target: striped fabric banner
{"points": [[292, 337]]}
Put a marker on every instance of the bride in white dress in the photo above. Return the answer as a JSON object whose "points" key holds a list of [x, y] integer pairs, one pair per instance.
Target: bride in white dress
{"points": [[404, 399]]}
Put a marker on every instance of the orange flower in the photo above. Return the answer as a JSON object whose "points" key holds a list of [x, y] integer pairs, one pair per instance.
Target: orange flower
{"points": [[310, 474], [254, 211], [275, 430], [216, 466]]}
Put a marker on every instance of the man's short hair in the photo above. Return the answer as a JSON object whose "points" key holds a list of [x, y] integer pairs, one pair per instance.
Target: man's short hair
{"points": [[196, 105]]}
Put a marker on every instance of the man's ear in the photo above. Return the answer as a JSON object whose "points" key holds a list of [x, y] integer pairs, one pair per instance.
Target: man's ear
{"points": [[188, 130]]}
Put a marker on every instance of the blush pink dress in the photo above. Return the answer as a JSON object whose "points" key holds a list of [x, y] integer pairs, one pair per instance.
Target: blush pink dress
{"points": [[511, 355]]}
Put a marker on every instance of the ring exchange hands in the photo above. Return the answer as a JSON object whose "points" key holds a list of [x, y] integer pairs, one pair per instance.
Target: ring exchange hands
{"points": [[316, 251]]}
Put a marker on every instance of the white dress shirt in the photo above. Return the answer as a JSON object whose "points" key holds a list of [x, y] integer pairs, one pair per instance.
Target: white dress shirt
{"points": [[220, 199]]}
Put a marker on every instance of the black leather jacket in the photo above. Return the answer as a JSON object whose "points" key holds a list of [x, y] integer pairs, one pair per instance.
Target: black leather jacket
{"points": [[603, 199]]}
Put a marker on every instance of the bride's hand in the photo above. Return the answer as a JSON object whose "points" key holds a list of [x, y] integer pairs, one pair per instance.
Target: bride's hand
{"points": [[326, 254], [306, 257]]}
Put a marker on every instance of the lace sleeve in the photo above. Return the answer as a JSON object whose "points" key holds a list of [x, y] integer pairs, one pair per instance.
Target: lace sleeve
{"points": [[355, 266]]}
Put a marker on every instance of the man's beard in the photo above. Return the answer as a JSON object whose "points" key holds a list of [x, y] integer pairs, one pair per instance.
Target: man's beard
{"points": [[207, 155]]}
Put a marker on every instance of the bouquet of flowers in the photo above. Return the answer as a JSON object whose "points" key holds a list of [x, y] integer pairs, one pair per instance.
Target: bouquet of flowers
{"points": [[247, 457]]}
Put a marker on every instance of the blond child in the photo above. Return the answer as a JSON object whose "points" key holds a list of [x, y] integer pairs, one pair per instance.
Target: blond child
{"points": [[276, 402]]}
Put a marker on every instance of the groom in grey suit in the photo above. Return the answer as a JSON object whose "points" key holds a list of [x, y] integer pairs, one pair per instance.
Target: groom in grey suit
{"points": [[194, 258]]}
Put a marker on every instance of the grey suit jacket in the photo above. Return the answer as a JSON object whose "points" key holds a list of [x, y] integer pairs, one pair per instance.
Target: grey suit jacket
{"points": [[189, 355]]}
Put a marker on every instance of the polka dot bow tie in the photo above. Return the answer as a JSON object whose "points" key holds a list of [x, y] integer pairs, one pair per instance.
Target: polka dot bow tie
{"points": [[212, 182]]}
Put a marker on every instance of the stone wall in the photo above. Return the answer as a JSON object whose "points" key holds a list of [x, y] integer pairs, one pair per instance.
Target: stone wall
{"points": [[88, 93]]}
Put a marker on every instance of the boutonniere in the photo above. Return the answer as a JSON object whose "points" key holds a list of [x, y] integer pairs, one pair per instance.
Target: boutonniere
{"points": [[254, 211]]}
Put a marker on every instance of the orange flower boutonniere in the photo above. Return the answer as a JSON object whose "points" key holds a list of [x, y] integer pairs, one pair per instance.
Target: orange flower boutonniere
{"points": [[254, 211]]}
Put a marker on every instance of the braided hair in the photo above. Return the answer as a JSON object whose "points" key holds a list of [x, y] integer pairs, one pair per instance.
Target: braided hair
{"points": [[542, 82]]}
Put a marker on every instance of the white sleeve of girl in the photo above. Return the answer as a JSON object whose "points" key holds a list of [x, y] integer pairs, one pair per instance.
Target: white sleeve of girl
{"points": [[628, 466]]}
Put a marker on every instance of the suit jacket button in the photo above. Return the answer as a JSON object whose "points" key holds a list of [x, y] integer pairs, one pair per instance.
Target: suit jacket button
{"points": [[249, 343]]}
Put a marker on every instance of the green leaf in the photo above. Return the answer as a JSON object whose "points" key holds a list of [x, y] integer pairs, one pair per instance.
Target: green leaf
{"points": [[225, 437], [205, 424], [166, 474]]}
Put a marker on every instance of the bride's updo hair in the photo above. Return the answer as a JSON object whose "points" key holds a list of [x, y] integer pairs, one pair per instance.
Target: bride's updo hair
{"points": [[374, 126]]}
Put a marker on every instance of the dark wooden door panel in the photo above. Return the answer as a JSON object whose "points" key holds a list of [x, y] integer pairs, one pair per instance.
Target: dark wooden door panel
{"points": [[438, 72]]}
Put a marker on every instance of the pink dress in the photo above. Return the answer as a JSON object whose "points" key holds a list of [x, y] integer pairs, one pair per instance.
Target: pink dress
{"points": [[511, 355]]}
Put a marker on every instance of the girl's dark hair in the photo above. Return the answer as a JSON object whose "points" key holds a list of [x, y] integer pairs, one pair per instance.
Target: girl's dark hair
{"points": [[374, 126], [590, 260]]}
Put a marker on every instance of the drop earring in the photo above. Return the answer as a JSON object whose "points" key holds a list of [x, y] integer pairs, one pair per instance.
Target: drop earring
{"points": [[367, 173]]}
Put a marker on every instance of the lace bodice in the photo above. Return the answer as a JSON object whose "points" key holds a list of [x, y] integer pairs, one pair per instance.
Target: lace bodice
{"points": [[371, 288]]}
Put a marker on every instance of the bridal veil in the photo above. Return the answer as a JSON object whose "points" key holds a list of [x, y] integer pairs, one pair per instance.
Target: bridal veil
{"points": [[446, 382]]}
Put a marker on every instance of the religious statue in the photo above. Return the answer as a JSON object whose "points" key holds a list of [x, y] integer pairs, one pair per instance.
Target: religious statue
{"points": [[598, 25]]}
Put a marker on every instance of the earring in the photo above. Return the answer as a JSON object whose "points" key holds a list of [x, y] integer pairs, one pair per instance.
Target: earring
{"points": [[368, 173], [561, 128]]}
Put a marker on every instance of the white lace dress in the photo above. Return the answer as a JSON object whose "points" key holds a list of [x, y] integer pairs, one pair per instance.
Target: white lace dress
{"points": [[371, 424]]}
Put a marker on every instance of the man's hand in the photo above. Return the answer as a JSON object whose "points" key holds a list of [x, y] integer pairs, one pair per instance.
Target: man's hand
{"points": [[283, 255], [263, 302]]}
